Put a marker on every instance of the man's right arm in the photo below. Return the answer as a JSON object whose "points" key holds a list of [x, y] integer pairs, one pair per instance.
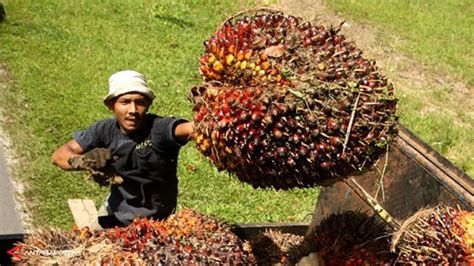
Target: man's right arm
{"points": [[62, 155]]}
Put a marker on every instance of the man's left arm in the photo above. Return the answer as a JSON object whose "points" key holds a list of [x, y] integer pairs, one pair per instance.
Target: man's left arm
{"points": [[183, 132]]}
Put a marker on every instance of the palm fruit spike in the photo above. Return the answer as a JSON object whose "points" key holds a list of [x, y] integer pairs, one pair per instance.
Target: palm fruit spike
{"points": [[436, 236], [348, 238], [290, 104]]}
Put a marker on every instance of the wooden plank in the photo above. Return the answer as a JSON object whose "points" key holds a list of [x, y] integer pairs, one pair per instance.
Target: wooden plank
{"points": [[84, 213]]}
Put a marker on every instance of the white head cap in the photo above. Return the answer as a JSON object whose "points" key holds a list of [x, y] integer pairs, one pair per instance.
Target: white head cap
{"points": [[128, 81]]}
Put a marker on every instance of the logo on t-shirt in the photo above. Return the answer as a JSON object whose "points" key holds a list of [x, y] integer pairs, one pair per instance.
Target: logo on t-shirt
{"points": [[143, 145]]}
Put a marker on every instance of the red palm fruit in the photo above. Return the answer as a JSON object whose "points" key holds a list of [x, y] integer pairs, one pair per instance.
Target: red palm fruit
{"points": [[240, 55], [277, 134], [335, 141], [214, 49]]}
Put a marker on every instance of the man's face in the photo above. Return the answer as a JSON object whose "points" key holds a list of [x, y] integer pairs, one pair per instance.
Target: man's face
{"points": [[130, 110]]}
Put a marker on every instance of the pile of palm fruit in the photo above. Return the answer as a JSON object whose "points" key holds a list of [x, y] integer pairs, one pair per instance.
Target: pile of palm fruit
{"points": [[185, 237], [441, 235], [436, 236], [287, 104]]}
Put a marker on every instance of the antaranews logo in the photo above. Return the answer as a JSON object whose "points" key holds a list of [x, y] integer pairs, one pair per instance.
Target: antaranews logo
{"points": [[16, 252], [19, 251]]}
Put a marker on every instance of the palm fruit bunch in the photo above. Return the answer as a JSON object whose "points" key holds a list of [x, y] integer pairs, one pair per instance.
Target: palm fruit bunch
{"points": [[286, 104], [184, 238], [437, 236], [348, 238]]}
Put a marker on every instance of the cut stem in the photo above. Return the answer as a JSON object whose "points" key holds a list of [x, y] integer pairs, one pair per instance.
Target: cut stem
{"points": [[351, 121], [373, 203]]}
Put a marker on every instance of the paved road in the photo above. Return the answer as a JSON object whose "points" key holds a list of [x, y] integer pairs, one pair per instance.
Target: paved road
{"points": [[9, 219]]}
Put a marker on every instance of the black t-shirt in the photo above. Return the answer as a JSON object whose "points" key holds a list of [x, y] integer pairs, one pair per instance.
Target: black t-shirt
{"points": [[147, 163]]}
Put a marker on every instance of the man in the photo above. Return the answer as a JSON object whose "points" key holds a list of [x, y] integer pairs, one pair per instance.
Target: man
{"points": [[141, 148]]}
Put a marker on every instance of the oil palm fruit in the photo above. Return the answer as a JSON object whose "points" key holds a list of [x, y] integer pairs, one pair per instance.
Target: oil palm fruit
{"points": [[286, 104], [348, 238], [436, 236]]}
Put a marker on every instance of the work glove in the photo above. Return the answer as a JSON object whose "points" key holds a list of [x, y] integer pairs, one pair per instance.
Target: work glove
{"points": [[105, 176], [94, 159], [97, 162]]}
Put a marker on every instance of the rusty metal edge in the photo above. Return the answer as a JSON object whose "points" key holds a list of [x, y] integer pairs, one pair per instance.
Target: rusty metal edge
{"points": [[18, 237], [446, 173]]}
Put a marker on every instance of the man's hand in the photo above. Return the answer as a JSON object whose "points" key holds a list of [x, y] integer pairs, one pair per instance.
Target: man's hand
{"points": [[94, 159]]}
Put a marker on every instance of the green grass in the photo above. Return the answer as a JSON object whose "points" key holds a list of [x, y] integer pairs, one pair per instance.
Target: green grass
{"points": [[60, 55], [439, 34], [449, 133]]}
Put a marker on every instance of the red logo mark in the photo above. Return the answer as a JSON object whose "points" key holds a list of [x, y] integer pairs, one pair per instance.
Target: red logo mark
{"points": [[16, 252]]}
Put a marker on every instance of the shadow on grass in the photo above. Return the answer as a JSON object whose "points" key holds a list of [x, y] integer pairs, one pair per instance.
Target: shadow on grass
{"points": [[3, 14], [176, 21]]}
